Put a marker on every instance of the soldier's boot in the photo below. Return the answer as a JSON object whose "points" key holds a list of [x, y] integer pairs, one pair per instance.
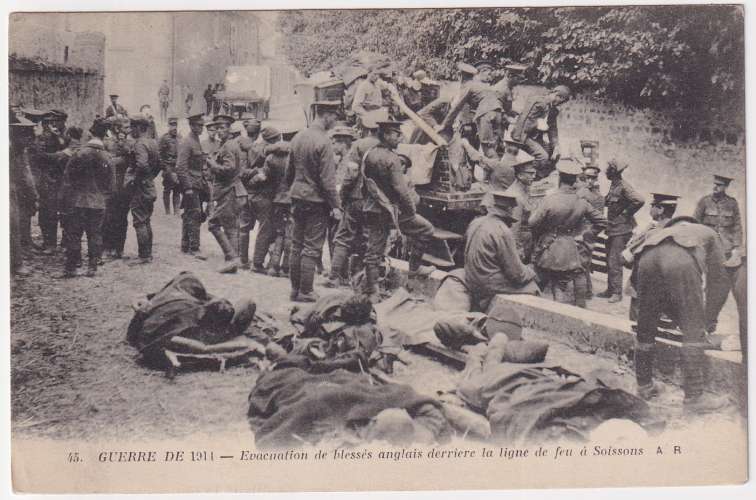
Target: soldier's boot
{"points": [[286, 256], [606, 293], [232, 262], [580, 288], [167, 202], [185, 234], [372, 275], [338, 262], [308, 269], [149, 239], [416, 269], [588, 285], [617, 297], [176, 202], [244, 249], [143, 243], [276, 249], [295, 274], [697, 401], [644, 371]]}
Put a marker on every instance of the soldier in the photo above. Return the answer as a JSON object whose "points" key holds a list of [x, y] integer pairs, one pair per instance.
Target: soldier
{"points": [[351, 226], [737, 269], [500, 172], [312, 174], [208, 95], [411, 89], [525, 173], [92, 179], [164, 97], [23, 192], [342, 137], [388, 203], [116, 225], [467, 74], [48, 164], [115, 109], [622, 202], [663, 207], [279, 251], [557, 226], [65, 208], [261, 182], [227, 192], [720, 212], [368, 98], [433, 114], [168, 147], [190, 163], [251, 145], [539, 116], [492, 263], [140, 179], [671, 265], [590, 192], [146, 111]]}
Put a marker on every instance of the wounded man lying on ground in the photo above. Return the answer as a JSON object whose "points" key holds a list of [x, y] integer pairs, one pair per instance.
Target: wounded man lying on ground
{"points": [[338, 331], [184, 319], [290, 408]]}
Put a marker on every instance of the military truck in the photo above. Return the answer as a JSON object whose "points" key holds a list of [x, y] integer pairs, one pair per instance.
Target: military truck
{"points": [[247, 91]]}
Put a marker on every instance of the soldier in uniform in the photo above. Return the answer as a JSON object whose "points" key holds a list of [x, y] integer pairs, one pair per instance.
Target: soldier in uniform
{"points": [[557, 226], [663, 207], [92, 180], [261, 181], [351, 227], [720, 212], [389, 203], [539, 116], [368, 98], [48, 163], [672, 263], [23, 192], [190, 166], [279, 251], [342, 137], [121, 148], [168, 147], [228, 194], [314, 195], [164, 97], [115, 109], [525, 173], [492, 262], [65, 208], [140, 179], [251, 145], [622, 202], [590, 192]]}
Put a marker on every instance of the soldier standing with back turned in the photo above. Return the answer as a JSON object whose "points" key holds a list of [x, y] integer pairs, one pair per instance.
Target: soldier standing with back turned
{"points": [[190, 163]]}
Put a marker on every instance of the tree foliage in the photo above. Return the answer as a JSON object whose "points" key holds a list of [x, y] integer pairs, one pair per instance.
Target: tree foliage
{"points": [[667, 57]]}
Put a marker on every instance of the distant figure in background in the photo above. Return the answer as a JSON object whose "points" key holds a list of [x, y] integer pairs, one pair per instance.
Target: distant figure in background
{"points": [[115, 109], [217, 99], [208, 95], [164, 97], [188, 99]]}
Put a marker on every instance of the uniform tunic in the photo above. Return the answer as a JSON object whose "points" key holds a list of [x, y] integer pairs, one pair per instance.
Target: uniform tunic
{"points": [[521, 229], [622, 202], [721, 213], [168, 148], [492, 262]]}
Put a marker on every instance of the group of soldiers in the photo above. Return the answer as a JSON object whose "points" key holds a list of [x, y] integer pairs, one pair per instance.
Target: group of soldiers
{"points": [[326, 183]]}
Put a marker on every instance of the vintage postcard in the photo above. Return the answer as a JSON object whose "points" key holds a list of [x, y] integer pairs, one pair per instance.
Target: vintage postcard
{"points": [[387, 249]]}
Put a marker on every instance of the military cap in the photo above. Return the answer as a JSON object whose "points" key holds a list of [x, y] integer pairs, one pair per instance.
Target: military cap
{"points": [[483, 65], [341, 131], [113, 95], [228, 120], [334, 106], [389, 125], [615, 166], [504, 202], [722, 180], [55, 115], [591, 171], [664, 199], [211, 125], [139, 119], [406, 159], [420, 75], [288, 135], [172, 120], [523, 160], [567, 166], [99, 126], [516, 67], [35, 115], [270, 134], [466, 68], [198, 118], [19, 121], [236, 127], [252, 121]]}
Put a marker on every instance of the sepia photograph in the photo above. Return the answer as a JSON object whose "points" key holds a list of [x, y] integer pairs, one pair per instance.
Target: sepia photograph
{"points": [[377, 249]]}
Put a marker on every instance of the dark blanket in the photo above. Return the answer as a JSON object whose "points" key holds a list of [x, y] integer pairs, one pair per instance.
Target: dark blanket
{"points": [[539, 402], [291, 402]]}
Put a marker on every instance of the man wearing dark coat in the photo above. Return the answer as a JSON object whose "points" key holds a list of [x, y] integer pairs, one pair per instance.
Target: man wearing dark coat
{"points": [[190, 162]]}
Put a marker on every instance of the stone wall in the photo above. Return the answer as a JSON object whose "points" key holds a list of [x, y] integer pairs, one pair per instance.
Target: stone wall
{"points": [[42, 86]]}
